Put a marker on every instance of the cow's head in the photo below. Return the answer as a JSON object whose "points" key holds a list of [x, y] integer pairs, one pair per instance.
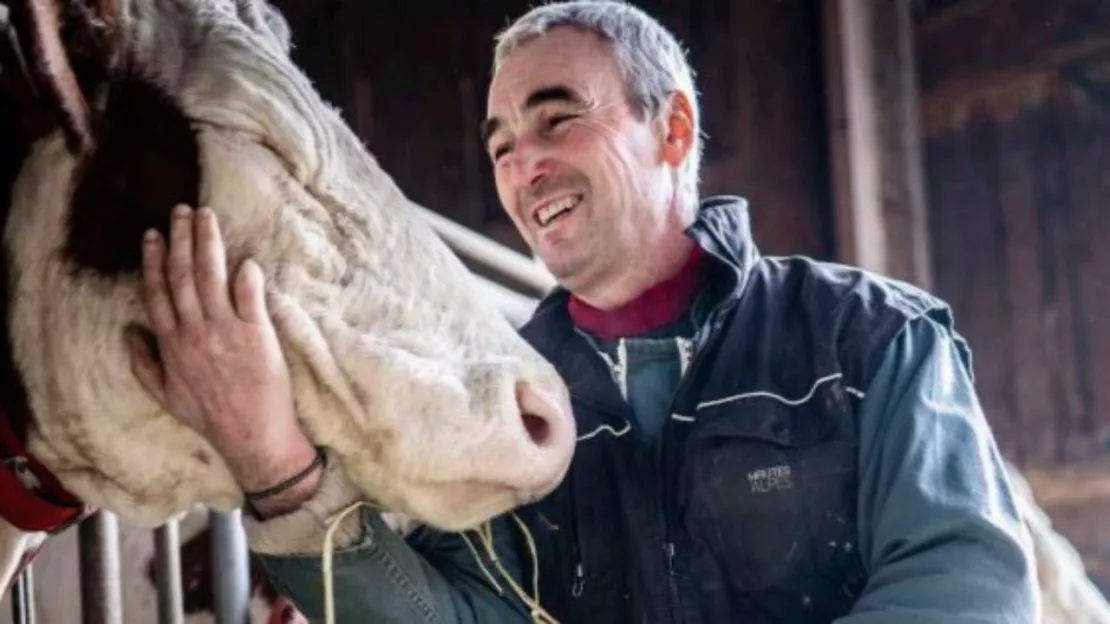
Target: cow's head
{"points": [[426, 394]]}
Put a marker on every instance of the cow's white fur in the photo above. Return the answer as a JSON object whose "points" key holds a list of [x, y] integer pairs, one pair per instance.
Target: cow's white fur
{"points": [[1068, 596], [397, 367]]}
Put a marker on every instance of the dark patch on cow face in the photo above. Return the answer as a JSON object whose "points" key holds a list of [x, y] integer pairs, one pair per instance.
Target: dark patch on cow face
{"points": [[145, 162], [143, 156]]}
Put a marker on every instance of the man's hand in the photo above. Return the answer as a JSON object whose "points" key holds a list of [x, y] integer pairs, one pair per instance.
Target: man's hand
{"points": [[219, 367]]}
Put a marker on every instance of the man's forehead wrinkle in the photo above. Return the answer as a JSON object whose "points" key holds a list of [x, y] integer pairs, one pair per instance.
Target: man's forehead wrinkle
{"points": [[527, 80], [535, 98], [598, 106]]}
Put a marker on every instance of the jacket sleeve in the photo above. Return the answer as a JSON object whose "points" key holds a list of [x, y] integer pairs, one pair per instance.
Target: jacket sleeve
{"points": [[939, 526], [378, 575]]}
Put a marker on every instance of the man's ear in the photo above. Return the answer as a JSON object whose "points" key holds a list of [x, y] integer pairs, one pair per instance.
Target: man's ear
{"points": [[679, 129]]}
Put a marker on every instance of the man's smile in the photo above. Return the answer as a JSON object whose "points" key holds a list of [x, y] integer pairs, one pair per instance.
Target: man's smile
{"points": [[547, 212]]}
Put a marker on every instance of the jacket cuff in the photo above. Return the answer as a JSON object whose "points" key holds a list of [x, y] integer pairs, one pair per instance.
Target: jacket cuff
{"points": [[301, 532]]}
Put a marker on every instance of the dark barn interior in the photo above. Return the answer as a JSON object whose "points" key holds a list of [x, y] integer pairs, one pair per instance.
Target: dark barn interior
{"points": [[992, 123]]}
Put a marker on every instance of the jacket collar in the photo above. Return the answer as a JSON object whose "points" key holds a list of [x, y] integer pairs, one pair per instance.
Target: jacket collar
{"points": [[722, 228]]}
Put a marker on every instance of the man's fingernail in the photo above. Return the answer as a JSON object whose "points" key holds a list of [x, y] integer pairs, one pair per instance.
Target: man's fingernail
{"points": [[181, 210], [151, 236]]}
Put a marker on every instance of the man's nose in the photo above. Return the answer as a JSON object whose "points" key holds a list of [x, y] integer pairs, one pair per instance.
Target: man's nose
{"points": [[531, 164]]}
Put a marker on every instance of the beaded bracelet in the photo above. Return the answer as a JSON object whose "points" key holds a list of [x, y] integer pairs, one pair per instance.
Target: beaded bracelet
{"points": [[319, 460]]}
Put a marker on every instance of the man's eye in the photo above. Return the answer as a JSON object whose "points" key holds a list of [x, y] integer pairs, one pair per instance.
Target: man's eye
{"points": [[554, 120], [500, 151]]}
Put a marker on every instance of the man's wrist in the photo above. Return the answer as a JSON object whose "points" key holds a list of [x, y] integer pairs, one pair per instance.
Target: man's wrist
{"points": [[289, 499], [318, 461], [296, 459]]}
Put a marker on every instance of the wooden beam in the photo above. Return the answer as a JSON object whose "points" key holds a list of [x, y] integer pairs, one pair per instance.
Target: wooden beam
{"points": [[1005, 93], [874, 138], [1001, 37]]}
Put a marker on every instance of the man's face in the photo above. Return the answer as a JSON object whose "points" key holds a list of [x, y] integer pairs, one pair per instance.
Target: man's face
{"points": [[585, 179]]}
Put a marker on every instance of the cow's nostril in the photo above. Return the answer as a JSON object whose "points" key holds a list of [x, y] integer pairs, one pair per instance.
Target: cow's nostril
{"points": [[541, 416], [538, 428], [542, 447]]}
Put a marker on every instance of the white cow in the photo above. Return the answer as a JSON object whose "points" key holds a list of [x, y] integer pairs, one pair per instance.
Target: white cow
{"points": [[429, 402]]}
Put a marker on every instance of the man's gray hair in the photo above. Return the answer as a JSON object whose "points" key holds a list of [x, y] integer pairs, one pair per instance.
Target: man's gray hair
{"points": [[649, 57]]}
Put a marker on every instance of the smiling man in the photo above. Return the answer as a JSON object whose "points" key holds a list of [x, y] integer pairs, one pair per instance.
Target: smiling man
{"points": [[760, 439], [582, 174]]}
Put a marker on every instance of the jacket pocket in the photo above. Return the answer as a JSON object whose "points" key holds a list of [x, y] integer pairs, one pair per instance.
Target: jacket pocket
{"points": [[771, 492]]}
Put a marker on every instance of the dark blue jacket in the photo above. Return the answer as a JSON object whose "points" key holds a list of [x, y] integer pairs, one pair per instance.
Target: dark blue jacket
{"points": [[823, 458]]}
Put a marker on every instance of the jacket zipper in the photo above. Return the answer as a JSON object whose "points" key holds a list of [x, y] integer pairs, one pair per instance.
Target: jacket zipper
{"points": [[618, 370], [666, 500], [690, 364], [579, 582]]}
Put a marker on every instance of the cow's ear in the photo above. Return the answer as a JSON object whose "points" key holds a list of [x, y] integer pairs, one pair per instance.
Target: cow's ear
{"points": [[69, 49]]}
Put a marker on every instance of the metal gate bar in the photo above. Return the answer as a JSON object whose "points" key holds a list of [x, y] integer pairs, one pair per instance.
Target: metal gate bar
{"points": [[23, 598], [167, 574], [230, 568], [100, 570]]}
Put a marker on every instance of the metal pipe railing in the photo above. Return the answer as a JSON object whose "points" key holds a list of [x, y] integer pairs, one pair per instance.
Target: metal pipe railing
{"points": [[472, 246], [167, 574], [231, 582], [23, 598], [516, 307], [101, 602]]}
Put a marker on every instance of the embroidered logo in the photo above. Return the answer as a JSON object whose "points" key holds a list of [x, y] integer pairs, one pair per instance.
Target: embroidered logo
{"points": [[22, 470], [771, 479]]}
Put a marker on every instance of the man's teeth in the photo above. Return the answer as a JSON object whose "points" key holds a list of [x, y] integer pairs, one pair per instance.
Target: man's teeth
{"points": [[548, 213]]}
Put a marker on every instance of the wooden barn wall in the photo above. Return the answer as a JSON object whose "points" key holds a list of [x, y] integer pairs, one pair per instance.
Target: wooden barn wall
{"points": [[1017, 159], [1017, 152], [1019, 223], [412, 79]]}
